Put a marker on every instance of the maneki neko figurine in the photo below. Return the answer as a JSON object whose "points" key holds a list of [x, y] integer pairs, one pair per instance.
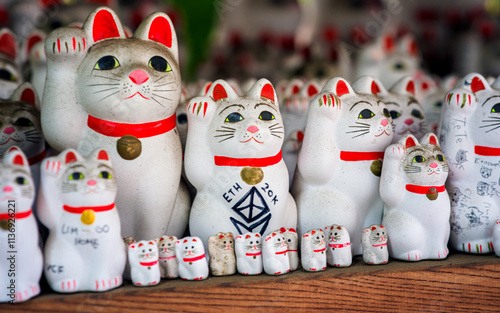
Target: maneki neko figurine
{"points": [[190, 254], [21, 261], [11, 75], [222, 257], [168, 262], [248, 248], [374, 240], [106, 90], [338, 250], [470, 139], [274, 254], [337, 179], [143, 258], [313, 251], [233, 158]]}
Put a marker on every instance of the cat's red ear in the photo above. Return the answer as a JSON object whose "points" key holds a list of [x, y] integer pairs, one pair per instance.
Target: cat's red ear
{"points": [[33, 38], [263, 89], [410, 142], [373, 228], [248, 236], [220, 89], [306, 235], [185, 240], [338, 86], [27, 93], [282, 230], [292, 230], [103, 155], [388, 43], [293, 87], [161, 239], [19, 159], [313, 232], [257, 235], [221, 236], [140, 245], [409, 45], [103, 24], [204, 89], [369, 85], [194, 240], [159, 28], [8, 43], [70, 157], [430, 138], [339, 228]]}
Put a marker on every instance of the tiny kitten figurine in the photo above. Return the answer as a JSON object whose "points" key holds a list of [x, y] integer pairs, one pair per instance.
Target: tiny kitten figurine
{"points": [[470, 138], [313, 251], [143, 259], [168, 262], [292, 243], [374, 241], [338, 251], [359, 128], [275, 258], [17, 191], [417, 206], [85, 249], [248, 248], [221, 251], [190, 254], [233, 158], [10, 72]]}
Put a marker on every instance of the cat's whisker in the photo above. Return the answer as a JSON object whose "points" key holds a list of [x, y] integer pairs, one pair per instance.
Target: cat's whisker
{"points": [[113, 79], [277, 136], [164, 84], [362, 134], [97, 85], [33, 141], [493, 129], [223, 135], [228, 127], [364, 124], [114, 93], [225, 131], [226, 139], [163, 90], [356, 131], [113, 88], [157, 101], [363, 127], [162, 97]]}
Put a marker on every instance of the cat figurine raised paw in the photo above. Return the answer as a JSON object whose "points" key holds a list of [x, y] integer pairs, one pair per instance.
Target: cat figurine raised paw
{"points": [[338, 250], [168, 262], [248, 248], [374, 241], [313, 251], [144, 267], [190, 254], [221, 251], [275, 258]]}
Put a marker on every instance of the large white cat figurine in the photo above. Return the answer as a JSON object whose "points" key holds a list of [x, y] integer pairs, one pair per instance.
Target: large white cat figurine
{"points": [[470, 139], [106, 90], [21, 261], [233, 158], [417, 206], [85, 250], [339, 163]]}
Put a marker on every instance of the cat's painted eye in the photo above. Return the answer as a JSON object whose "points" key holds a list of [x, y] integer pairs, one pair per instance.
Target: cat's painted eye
{"points": [[366, 114], [387, 113], [234, 118], [7, 75], [399, 66], [192, 247], [168, 245], [182, 118], [225, 242], [105, 63], [394, 114], [496, 108], [21, 180], [418, 159], [335, 234], [23, 122], [251, 242], [105, 175], [75, 176], [440, 157], [438, 104], [257, 242], [416, 113], [279, 239], [266, 116], [289, 240], [159, 64], [378, 234]]}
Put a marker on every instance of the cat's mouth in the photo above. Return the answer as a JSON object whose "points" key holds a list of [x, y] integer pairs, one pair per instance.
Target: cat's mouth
{"points": [[135, 94], [7, 197], [251, 139], [1, 144], [433, 172], [383, 132]]}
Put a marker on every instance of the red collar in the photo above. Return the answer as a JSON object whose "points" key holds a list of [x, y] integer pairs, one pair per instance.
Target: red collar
{"points": [[339, 245], [80, 210], [251, 162], [320, 250], [17, 216], [167, 257], [148, 263], [423, 189], [380, 245], [486, 151], [361, 156], [289, 250], [37, 158], [144, 130], [194, 259], [253, 254], [281, 252]]}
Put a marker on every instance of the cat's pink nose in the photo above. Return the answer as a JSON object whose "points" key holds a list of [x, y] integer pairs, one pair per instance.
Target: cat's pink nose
{"points": [[91, 182], [433, 165], [138, 77], [9, 130], [409, 122], [253, 129], [384, 122], [7, 189]]}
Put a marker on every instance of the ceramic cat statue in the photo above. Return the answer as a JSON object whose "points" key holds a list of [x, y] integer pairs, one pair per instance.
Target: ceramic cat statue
{"points": [[126, 272], [233, 158], [85, 250], [416, 204], [144, 267], [36, 60], [292, 243], [168, 262], [496, 237], [374, 240], [337, 179], [313, 251], [21, 271], [10, 72], [222, 257], [338, 250], [248, 248], [469, 139], [121, 94], [190, 254], [275, 259]]}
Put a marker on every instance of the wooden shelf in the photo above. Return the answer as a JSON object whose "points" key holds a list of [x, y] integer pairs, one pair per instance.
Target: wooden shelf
{"points": [[461, 283]]}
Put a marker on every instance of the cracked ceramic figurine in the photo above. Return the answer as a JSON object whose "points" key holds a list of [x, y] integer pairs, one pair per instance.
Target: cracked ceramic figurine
{"points": [[168, 262], [338, 250], [374, 240], [248, 248], [469, 137], [292, 243], [21, 272], [221, 251], [313, 251], [121, 94], [190, 254], [143, 260], [274, 250], [233, 158], [11, 76], [416, 204], [359, 128], [85, 250]]}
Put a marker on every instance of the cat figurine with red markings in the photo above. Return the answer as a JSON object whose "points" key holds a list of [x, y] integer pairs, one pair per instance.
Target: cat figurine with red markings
{"points": [[313, 251], [10, 72], [374, 240], [190, 254], [274, 254], [338, 250], [292, 243], [85, 250], [168, 262], [106, 90], [248, 248], [144, 267]]}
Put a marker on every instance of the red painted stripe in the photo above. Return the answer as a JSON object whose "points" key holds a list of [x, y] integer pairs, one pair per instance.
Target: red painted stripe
{"points": [[74, 44], [361, 156], [486, 151], [144, 130], [80, 210], [58, 45], [20, 215], [252, 162], [423, 189]]}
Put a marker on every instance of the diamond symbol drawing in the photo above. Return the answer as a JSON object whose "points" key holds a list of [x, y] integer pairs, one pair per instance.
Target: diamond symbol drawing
{"points": [[254, 210]]}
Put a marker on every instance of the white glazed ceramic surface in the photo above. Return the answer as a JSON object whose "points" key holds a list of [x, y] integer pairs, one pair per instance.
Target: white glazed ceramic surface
{"points": [[190, 254], [313, 251], [338, 249], [374, 240], [168, 262], [144, 266], [275, 258], [248, 248]]}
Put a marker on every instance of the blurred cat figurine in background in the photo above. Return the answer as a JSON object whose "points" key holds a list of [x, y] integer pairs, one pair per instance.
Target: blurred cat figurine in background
{"points": [[10, 73], [144, 267], [248, 248]]}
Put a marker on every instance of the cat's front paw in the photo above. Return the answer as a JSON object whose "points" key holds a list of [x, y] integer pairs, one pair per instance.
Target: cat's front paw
{"points": [[395, 151], [200, 108], [460, 100], [66, 44], [326, 104]]}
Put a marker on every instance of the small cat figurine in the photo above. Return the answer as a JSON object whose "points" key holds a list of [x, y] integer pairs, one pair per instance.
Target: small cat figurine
{"points": [[233, 158], [121, 94], [470, 139], [496, 237], [85, 250], [190, 254], [168, 262], [374, 241], [221, 251], [313, 251], [417, 206], [275, 258], [143, 259], [36, 60], [248, 247], [21, 261], [10, 72], [359, 128], [338, 251], [292, 243]]}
